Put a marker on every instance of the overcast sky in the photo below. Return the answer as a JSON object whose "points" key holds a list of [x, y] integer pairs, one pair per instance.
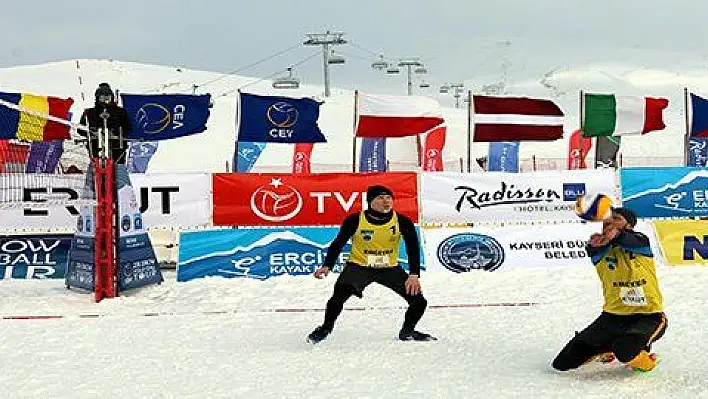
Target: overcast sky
{"points": [[457, 39]]}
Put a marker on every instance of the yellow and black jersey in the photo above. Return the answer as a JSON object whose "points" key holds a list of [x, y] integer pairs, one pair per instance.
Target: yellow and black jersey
{"points": [[628, 274], [376, 241]]}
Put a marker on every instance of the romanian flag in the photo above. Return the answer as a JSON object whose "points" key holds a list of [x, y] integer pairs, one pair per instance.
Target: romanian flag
{"points": [[34, 126]]}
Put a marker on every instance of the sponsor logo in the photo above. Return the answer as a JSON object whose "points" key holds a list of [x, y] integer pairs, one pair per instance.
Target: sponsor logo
{"points": [[138, 218], [687, 196], [367, 235], [154, 118], [277, 204], [125, 223], [693, 246], [468, 251], [505, 195], [571, 191], [282, 115]]}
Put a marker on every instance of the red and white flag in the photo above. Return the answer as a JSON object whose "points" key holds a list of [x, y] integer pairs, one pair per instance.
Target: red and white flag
{"points": [[433, 150], [301, 158], [578, 149], [516, 119], [396, 116]]}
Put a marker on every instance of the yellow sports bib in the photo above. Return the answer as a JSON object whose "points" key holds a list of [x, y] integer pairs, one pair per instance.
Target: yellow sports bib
{"points": [[629, 283], [376, 246]]}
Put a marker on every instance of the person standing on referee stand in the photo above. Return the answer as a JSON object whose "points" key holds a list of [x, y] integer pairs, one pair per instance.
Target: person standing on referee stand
{"points": [[106, 114], [376, 235]]}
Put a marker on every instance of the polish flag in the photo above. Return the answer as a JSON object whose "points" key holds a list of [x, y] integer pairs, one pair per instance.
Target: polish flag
{"points": [[433, 150], [516, 119], [301, 158], [396, 116]]}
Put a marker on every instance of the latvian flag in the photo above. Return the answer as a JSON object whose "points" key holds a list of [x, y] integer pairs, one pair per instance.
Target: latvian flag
{"points": [[610, 115], [396, 116], [516, 119]]}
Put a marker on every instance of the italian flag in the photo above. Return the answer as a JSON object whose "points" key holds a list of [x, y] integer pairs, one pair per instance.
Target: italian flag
{"points": [[610, 115]]}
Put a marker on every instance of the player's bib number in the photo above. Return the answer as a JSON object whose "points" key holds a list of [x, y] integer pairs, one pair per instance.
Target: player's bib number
{"points": [[633, 296], [377, 261]]}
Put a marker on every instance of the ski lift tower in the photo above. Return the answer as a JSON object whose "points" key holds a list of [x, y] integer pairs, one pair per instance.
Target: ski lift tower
{"points": [[325, 40]]}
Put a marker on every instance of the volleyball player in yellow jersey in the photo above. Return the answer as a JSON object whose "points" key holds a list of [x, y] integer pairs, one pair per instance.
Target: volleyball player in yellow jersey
{"points": [[376, 236], [632, 316]]}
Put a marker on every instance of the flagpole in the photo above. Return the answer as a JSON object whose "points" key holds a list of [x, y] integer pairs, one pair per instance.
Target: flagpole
{"points": [[469, 131], [356, 118], [687, 135], [234, 165]]}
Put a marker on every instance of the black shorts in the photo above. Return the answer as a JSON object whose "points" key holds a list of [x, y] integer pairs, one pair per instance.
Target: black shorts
{"points": [[360, 277], [608, 327]]}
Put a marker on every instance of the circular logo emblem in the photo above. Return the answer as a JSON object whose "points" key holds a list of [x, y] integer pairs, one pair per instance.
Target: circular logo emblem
{"points": [[80, 223], [282, 115], [125, 223], [277, 202], [153, 118], [468, 251], [433, 153]]}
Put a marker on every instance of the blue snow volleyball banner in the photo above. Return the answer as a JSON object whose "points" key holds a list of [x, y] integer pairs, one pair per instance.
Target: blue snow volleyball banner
{"points": [[34, 256], [272, 119], [166, 116], [260, 253], [665, 192], [697, 152], [503, 156], [247, 155]]}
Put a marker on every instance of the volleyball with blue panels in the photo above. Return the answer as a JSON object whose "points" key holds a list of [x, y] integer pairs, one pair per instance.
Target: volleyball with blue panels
{"points": [[594, 207]]}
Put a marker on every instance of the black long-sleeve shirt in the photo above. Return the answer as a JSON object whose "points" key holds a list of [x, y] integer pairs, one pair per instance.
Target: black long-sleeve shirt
{"points": [[118, 124], [629, 240], [351, 224]]}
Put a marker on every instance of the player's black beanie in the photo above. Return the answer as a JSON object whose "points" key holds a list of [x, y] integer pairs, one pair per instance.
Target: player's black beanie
{"points": [[627, 214], [374, 191]]}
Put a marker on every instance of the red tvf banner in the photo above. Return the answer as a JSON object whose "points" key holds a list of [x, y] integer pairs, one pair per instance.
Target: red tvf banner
{"points": [[274, 199]]}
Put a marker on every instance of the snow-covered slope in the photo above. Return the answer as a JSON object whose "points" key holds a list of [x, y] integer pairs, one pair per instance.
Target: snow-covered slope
{"points": [[212, 150]]}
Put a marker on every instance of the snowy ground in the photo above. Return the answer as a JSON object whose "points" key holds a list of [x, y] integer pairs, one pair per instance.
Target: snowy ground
{"points": [[222, 338]]}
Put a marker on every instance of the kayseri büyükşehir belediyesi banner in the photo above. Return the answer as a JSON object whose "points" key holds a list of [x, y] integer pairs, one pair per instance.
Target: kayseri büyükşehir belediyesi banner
{"points": [[507, 197], [165, 199], [261, 252], [683, 242], [505, 248], [665, 191]]}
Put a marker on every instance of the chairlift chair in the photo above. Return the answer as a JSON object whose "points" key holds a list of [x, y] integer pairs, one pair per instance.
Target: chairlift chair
{"points": [[286, 82], [335, 59], [380, 64]]}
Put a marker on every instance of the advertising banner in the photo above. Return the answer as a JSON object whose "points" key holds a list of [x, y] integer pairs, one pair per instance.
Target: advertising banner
{"points": [[174, 199], [34, 256], [260, 253], [683, 242], [506, 248], [665, 191], [272, 199], [166, 200], [497, 197]]}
